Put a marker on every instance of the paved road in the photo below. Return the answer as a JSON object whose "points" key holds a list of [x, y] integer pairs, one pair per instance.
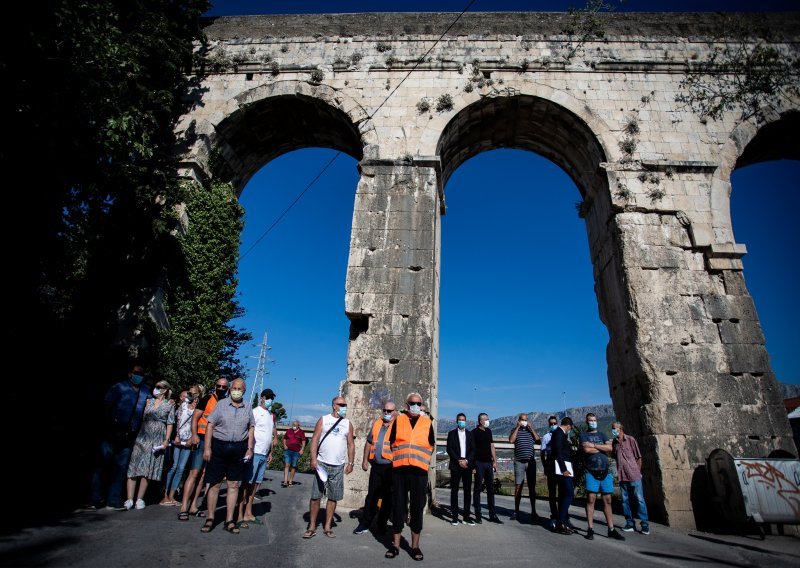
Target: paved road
{"points": [[153, 538]]}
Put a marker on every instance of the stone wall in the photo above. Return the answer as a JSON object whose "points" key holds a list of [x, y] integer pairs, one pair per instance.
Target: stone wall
{"points": [[687, 365]]}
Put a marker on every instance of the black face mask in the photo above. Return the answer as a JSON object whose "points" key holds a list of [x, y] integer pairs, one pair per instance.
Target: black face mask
{"points": [[221, 392], [189, 398]]}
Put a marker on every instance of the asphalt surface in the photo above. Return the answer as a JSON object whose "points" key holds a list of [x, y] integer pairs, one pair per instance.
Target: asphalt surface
{"points": [[153, 537]]}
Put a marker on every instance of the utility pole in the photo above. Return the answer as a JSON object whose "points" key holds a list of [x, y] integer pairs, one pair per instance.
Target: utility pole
{"points": [[261, 369], [564, 399]]}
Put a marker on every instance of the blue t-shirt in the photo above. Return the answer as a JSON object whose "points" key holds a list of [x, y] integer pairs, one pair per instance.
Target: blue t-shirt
{"points": [[126, 404], [599, 461]]}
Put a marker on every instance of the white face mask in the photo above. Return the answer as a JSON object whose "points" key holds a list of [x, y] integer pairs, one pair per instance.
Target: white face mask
{"points": [[523, 423], [485, 423], [413, 408], [157, 391]]}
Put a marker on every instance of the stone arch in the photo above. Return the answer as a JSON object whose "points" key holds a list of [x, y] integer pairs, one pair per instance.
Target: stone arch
{"points": [[586, 137], [749, 144], [266, 121]]}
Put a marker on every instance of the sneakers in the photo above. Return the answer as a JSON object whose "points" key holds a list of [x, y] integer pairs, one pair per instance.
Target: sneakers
{"points": [[478, 519], [645, 529], [614, 533], [140, 504], [628, 527], [469, 521], [589, 534], [126, 506], [361, 529], [454, 522]]}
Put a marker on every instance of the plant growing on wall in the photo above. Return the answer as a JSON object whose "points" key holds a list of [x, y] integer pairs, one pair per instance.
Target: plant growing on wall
{"points": [[585, 24], [745, 75]]}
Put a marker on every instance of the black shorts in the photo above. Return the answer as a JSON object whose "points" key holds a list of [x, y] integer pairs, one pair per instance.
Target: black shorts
{"points": [[227, 461]]}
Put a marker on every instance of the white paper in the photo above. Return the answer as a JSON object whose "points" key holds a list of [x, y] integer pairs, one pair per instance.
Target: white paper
{"points": [[322, 473], [569, 468]]}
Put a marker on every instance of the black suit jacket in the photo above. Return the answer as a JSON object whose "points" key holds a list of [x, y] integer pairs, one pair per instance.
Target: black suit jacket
{"points": [[454, 448], [560, 450]]}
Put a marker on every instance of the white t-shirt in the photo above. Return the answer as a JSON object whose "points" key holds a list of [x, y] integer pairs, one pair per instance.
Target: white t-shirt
{"points": [[333, 449], [265, 425]]}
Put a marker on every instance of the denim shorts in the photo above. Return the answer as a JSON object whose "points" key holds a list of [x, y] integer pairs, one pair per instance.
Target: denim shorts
{"points": [[604, 487], [254, 471], [290, 457], [196, 457]]}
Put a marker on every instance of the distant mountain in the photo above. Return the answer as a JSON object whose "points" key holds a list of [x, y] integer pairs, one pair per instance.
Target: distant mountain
{"points": [[789, 391], [503, 425]]}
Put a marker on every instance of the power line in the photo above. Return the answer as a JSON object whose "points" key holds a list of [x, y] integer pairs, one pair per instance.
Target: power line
{"points": [[328, 165]]}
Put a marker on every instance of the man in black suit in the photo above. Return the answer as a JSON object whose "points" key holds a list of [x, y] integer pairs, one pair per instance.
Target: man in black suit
{"points": [[461, 449], [560, 454]]}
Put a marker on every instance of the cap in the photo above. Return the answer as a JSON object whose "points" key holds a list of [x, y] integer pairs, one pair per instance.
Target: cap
{"points": [[267, 393]]}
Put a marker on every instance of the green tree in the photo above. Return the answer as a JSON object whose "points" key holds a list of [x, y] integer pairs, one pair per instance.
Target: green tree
{"points": [[201, 299], [279, 411]]}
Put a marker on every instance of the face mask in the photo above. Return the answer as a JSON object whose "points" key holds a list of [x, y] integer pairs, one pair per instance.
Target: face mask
{"points": [[157, 391], [137, 379], [221, 393], [614, 432], [387, 417], [236, 395], [413, 408], [267, 403], [295, 428], [592, 425], [189, 398], [342, 411], [523, 423], [485, 423], [462, 424], [553, 427]]}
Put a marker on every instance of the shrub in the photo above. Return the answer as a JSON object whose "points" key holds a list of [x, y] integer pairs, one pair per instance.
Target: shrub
{"points": [[444, 103], [423, 106]]}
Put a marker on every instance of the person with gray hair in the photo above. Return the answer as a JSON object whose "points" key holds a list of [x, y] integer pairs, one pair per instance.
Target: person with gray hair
{"points": [[333, 437], [523, 436], [629, 471]]}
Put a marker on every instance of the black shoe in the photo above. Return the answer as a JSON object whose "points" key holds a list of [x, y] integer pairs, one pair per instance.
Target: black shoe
{"points": [[361, 529], [614, 533], [589, 534], [560, 529], [469, 521], [478, 519], [495, 519]]}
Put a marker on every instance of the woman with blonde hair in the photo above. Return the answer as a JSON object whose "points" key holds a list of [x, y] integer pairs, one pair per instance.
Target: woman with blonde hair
{"points": [[147, 458]]}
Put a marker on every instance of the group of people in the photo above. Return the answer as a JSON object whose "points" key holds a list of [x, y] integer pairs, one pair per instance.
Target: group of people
{"points": [[218, 436]]}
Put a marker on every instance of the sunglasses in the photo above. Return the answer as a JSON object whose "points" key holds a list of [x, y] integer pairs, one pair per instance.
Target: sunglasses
{"points": [[414, 402], [343, 405], [387, 410], [221, 387]]}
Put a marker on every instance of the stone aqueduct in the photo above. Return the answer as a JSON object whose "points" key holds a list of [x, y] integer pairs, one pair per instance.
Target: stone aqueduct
{"points": [[687, 365]]}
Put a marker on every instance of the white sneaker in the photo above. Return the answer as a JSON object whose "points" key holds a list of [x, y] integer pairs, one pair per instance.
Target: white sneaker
{"points": [[140, 504], [128, 504]]}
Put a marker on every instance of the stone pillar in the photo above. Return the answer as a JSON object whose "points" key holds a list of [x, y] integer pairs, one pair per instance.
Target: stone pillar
{"points": [[687, 365], [392, 296]]}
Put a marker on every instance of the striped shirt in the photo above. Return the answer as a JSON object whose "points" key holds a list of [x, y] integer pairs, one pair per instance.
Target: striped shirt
{"points": [[523, 445]]}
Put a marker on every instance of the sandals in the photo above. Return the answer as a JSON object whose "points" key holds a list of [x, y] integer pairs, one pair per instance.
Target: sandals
{"points": [[243, 524], [183, 516], [284, 484], [417, 555], [231, 527], [309, 533], [199, 514], [392, 552], [329, 534], [207, 526]]}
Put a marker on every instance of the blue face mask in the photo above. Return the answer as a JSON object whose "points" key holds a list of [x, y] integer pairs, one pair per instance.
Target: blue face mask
{"points": [[342, 411], [553, 427], [137, 379], [267, 402], [413, 408], [462, 424], [387, 417], [592, 425], [614, 432]]}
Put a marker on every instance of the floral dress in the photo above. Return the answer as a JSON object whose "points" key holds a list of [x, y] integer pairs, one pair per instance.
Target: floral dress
{"points": [[144, 462]]}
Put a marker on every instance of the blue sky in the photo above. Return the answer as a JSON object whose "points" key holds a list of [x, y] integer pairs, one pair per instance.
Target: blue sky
{"points": [[519, 323]]}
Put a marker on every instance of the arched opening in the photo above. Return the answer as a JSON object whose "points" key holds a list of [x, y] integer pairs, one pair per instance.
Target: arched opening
{"points": [[765, 198], [532, 341], [295, 240]]}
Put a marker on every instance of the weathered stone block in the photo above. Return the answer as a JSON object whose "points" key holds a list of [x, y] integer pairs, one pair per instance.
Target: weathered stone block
{"points": [[730, 307], [746, 358], [741, 331]]}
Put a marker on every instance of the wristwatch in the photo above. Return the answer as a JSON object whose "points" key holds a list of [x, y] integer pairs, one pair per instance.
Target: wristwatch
{"points": [[351, 463]]}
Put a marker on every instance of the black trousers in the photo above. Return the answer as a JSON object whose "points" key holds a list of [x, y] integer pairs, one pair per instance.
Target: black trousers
{"points": [[380, 488], [483, 470], [552, 484], [412, 489], [458, 476]]}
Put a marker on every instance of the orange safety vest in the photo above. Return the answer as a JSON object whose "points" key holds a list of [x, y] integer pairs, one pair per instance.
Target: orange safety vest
{"points": [[411, 446], [203, 422], [386, 451]]}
